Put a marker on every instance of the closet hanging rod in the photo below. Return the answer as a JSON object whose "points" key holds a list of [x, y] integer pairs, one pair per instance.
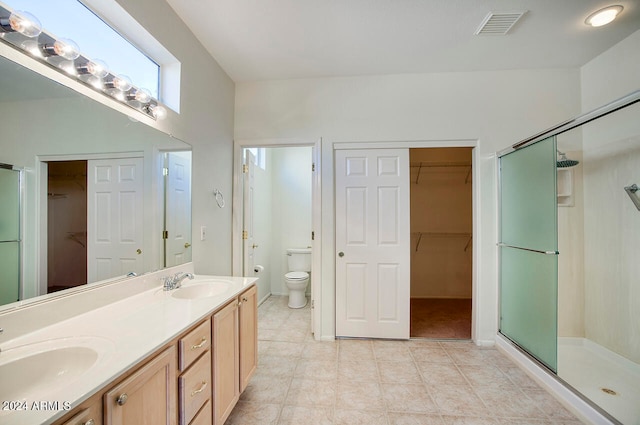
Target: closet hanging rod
{"points": [[443, 235], [420, 165], [440, 164]]}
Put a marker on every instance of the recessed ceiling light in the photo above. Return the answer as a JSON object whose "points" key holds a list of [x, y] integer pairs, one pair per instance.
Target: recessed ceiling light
{"points": [[603, 16]]}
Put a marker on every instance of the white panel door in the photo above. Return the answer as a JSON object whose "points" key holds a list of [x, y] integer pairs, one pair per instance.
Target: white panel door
{"points": [[178, 209], [114, 218], [372, 243], [248, 234]]}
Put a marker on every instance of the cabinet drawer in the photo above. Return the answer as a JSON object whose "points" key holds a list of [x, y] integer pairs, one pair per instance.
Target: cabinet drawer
{"points": [[204, 416], [192, 345], [195, 388], [91, 415]]}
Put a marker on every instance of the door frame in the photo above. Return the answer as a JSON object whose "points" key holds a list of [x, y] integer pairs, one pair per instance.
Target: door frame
{"points": [[409, 144], [41, 207], [316, 219]]}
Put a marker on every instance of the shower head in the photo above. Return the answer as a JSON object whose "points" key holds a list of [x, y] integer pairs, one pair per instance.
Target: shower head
{"points": [[564, 162]]}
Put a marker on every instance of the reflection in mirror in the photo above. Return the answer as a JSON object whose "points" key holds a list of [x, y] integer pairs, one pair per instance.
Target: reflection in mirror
{"points": [[94, 202]]}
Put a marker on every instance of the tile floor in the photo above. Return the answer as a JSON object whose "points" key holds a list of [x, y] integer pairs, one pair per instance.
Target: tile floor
{"points": [[303, 381]]}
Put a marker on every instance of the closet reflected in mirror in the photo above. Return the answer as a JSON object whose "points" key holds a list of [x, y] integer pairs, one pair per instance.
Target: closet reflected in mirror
{"points": [[94, 201]]}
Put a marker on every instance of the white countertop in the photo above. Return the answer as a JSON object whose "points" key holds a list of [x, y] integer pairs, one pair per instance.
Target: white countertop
{"points": [[126, 332]]}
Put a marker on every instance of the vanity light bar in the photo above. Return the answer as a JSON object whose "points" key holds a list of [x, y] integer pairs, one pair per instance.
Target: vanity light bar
{"points": [[23, 31]]}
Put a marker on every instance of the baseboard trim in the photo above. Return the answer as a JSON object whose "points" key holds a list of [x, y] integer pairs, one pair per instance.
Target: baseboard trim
{"points": [[264, 299]]}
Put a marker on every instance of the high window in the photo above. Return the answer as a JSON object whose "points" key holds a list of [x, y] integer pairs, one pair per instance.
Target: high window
{"points": [[96, 39]]}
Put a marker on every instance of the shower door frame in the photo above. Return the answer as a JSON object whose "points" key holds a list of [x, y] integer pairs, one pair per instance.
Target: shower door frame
{"points": [[21, 221], [550, 380]]}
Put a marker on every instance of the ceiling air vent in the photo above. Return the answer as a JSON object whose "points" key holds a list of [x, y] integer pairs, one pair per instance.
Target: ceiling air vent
{"points": [[498, 23]]}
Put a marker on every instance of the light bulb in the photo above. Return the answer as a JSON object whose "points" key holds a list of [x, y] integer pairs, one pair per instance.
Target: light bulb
{"points": [[118, 95], [143, 95], [25, 23], [122, 83], [157, 111], [96, 82], [97, 68], [66, 48], [32, 47], [603, 16], [69, 67]]}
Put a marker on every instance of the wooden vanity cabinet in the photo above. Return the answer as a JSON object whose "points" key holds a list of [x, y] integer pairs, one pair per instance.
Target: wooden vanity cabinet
{"points": [[248, 316], [148, 396], [226, 370], [196, 380], [235, 351], [88, 413]]}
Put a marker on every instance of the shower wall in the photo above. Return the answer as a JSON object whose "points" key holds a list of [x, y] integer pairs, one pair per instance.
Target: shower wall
{"points": [[612, 226], [612, 292], [570, 246]]}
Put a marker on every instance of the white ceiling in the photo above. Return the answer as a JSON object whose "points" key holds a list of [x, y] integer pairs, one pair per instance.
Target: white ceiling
{"points": [[282, 39]]}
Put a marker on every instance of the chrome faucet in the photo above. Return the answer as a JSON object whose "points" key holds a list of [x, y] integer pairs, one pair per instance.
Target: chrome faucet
{"points": [[175, 281]]}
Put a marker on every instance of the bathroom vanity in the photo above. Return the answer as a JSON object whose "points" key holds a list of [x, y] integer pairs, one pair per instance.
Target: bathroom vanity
{"points": [[154, 357]]}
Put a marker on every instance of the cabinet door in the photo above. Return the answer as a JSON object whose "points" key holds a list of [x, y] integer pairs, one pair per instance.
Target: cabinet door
{"points": [[248, 335], [87, 415], [225, 361], [148, 396]]}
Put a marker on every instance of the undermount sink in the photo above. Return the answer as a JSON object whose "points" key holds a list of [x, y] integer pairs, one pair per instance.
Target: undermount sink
{"points": [[202, 289], [41, 368]]}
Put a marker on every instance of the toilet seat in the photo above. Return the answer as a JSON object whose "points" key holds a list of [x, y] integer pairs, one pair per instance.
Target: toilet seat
{"points": [[296, 276]]}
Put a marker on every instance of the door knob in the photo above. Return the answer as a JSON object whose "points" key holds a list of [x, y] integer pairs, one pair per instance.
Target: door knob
{"points": [[187, 245], [341, 254], [254, 246], [139, 251]]}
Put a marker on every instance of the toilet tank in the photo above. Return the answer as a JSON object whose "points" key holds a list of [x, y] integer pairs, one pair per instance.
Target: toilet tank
{"points": [[299, 259]]}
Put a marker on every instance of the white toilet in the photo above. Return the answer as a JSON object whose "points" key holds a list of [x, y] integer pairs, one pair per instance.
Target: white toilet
{"points": [[297, 279]]}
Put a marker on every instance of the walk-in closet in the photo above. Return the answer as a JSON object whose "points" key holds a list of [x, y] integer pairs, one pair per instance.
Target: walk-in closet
{"points": [[441, 242]]}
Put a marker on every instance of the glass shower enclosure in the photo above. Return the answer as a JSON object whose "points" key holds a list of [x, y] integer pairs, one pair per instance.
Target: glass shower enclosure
{"points": [[569, 246], [529, 250], [10, 183]]}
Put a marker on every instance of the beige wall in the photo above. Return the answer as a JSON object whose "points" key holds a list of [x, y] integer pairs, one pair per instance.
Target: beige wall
{"points": [[494, 109], [206, 122], [441, 223]]}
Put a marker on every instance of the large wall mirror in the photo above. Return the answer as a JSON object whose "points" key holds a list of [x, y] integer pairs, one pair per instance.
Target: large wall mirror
{"points": [[88, 193]]}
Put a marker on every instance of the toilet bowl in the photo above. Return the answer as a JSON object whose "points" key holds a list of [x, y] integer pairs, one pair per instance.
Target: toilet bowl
{"points": [[297, 284], [297, 279]]}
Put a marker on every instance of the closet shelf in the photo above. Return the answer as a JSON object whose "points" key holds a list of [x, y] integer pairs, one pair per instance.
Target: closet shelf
{"points": [[443, 235], [421, 165]]}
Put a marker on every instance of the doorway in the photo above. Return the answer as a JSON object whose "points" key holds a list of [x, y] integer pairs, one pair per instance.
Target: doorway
{"points": [[277, 212], [66, 224], [417, 271], [441, 242]]}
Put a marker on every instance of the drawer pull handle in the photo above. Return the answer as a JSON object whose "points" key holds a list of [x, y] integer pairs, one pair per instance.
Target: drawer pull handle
{"points": [[199, 390], [90, 422], [122, 399], [203, 341], [244, 299]]}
